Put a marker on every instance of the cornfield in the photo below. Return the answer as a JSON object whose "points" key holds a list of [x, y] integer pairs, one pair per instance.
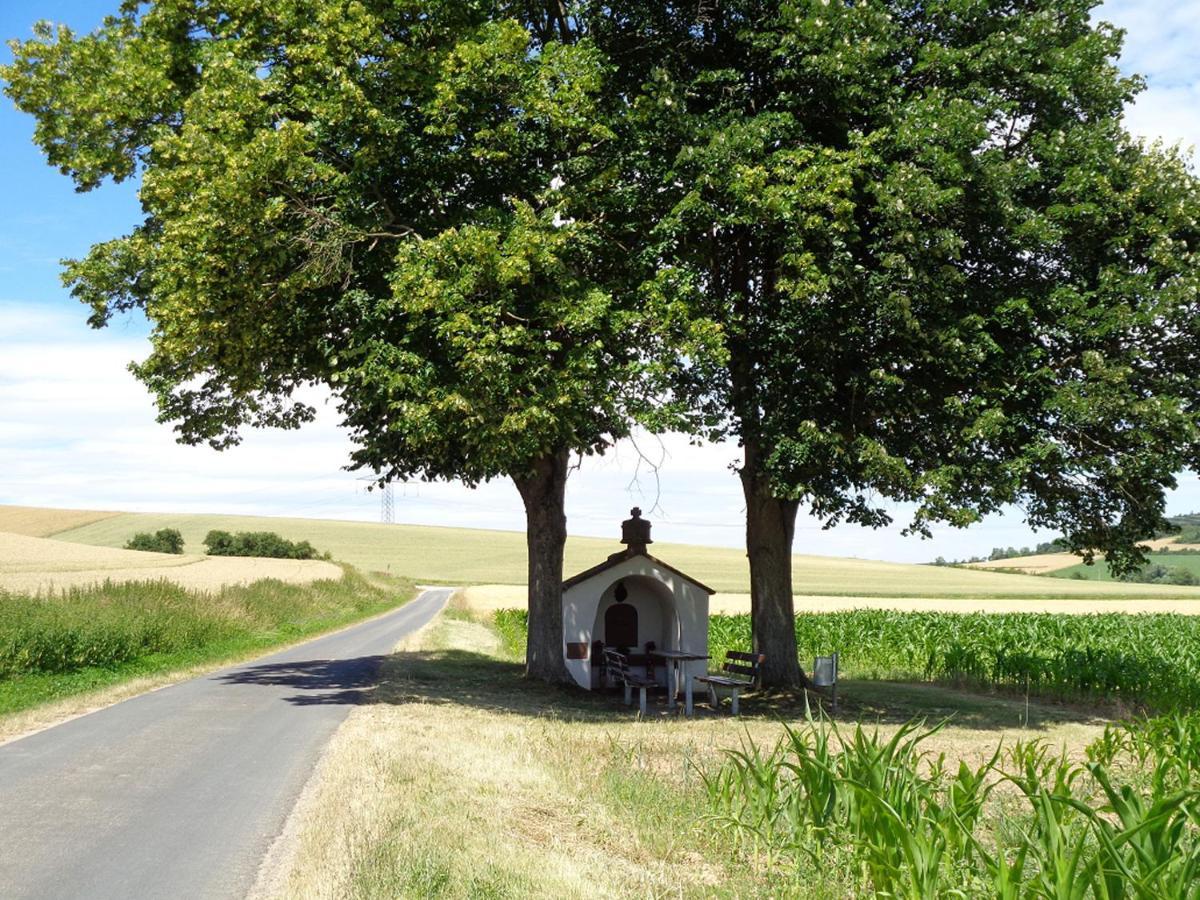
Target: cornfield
{"points": [[883, 817], [1144, 660]]}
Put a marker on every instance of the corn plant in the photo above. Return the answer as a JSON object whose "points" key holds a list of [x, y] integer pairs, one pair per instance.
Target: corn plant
{"points": [[912, 827]]}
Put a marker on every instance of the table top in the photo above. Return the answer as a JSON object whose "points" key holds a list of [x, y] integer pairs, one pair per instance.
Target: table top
{"points": [[681, 655]]}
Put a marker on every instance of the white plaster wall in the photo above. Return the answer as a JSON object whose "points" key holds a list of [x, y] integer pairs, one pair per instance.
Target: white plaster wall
{"points": [[687, 629]]}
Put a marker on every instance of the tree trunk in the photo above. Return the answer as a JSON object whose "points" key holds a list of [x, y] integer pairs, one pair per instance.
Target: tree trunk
{"points": [[543, 490], [770, 529]]}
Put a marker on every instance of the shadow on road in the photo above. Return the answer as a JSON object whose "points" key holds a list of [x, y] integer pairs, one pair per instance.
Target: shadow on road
{"points": [[332, 682]]}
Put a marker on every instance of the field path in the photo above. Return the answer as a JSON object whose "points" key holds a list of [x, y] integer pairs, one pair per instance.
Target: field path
{"points": [[180, 792]]}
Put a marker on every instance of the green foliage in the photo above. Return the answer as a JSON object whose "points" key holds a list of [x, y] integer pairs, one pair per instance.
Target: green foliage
{"points": [[117, 624], [1162, 567], [940, 269], [258, 543], [908, 825], [1146, 659], [165, 540], [1160, 574], [403, 202], [511, 625]]}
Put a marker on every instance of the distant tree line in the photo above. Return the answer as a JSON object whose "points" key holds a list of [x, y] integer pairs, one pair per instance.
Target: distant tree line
{"points": [[1058, 545], [258, 543], [165, 540], [223, 543]]}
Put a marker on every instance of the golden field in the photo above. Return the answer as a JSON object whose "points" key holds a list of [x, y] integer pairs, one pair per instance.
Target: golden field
{"points": [[35, 521], [39, 565], [472, 556]]}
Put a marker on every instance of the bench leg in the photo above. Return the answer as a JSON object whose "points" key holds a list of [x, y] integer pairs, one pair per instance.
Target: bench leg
{"points": [[642, 700], [734, 710], [712, 698], [628, 695], [687, 696]]}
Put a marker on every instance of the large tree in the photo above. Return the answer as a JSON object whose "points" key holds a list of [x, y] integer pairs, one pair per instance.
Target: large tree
{"points": [[403, 201], [943, 272]]}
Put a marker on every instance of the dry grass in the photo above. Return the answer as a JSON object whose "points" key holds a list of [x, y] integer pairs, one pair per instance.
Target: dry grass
{"points": [[33, 565], [489, 598], [35, 521], [469, 556], [464, 780]]}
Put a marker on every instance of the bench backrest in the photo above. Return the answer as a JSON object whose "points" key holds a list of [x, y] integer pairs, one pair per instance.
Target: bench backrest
{"points": [[748, 665], [617, 664]]}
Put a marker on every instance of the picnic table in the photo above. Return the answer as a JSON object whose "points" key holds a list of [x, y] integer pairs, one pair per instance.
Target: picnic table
{"points": [[673, 658]]}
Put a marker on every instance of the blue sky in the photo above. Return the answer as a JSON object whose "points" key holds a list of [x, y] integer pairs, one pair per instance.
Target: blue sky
{"points": [[76, 430]]}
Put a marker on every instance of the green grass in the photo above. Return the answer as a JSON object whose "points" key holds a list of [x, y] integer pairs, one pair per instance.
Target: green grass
{"points": [[470, 556], [84, 639], [1100, 572]]}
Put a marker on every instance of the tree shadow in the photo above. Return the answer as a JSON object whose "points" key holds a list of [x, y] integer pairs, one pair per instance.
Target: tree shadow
{"points": [[478, 680], [461, 677], [324, 682]]}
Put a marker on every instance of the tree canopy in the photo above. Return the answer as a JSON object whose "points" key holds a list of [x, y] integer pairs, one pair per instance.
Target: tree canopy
{"points": [[942, 270], [901, 250], [405, 202]]}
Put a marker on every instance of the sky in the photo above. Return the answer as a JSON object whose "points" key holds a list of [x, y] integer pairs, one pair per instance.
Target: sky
{"points": [[78, 431]]}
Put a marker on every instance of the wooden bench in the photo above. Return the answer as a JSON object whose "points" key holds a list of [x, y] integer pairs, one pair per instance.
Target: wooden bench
{"points": [[617, 666], [736, 663]]}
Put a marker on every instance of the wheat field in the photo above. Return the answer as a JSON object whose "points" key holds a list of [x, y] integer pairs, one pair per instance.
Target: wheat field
{"points": [[34, 521], [471, 556], [31, 565]]}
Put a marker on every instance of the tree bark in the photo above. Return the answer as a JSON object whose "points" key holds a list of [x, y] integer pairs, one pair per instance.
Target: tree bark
{"points": [[770, 530], [543, 491]]}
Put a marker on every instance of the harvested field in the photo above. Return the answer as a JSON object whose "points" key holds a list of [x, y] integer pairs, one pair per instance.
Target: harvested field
{"points": [[491, 597], [32, 565], [37, 522], [1032, 565]]}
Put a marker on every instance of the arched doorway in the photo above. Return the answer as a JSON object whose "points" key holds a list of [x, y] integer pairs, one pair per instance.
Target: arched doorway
{"points": [[621, 626]]}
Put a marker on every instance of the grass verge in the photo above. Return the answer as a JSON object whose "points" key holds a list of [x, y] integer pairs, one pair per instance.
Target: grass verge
{"points": [[464, 780], [86, 640]]}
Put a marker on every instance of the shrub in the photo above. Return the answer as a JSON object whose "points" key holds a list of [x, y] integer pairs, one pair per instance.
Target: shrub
{"points": [[258, 543], [165, 540]]}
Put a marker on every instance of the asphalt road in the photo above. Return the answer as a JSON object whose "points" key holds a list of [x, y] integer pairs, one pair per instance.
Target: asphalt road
{"points": [[179, 793]]}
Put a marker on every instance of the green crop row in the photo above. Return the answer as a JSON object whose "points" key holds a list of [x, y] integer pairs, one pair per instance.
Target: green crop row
{"points": [[1148, 659], [883, 817]]}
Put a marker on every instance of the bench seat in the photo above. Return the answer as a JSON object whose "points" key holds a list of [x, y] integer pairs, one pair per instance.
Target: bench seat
{"points": [[737, 663]]}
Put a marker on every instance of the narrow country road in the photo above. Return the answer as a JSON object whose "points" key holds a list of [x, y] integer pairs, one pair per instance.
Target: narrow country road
{"points": [[179, 793]]}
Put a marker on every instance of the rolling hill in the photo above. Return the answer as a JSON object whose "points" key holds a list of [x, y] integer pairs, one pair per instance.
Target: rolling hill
{"points": [[472, 556]]}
